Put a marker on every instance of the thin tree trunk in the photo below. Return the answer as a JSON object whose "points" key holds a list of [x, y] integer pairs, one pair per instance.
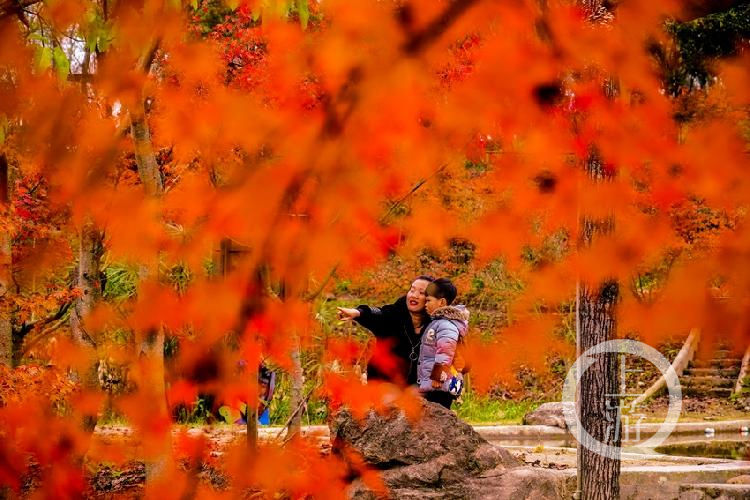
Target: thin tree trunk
{"points": [[148, 169], [87, 280], [295, 426], [222, 266], [6, 269], [251, 407], [90, 249], [150, 347], [6, 279]]}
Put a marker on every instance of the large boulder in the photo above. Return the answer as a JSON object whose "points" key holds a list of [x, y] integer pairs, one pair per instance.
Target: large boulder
{"points": [[550, 414], [438, 456]]}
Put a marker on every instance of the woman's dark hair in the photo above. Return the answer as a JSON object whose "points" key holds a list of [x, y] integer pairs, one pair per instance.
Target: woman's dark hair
{"points": [[442, 288], [425, 277]]}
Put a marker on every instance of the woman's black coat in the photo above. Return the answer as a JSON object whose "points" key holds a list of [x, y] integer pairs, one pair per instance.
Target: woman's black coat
{"points": [[395, 335]]}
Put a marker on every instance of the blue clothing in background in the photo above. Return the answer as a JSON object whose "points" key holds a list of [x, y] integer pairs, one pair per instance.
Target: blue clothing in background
{"points": [[264, 418]]}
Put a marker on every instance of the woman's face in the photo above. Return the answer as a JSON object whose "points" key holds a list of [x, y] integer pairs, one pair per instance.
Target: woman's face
{"points": [[415, 296]]}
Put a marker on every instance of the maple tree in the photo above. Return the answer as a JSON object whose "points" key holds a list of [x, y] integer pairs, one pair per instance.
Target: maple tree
{"points": [[324, 137]]}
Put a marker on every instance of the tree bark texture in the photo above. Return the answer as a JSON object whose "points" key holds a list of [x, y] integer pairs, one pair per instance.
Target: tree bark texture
{"points": [[297, 401], [6, 269], [598, 404], [148, 168], [150, 344], [87, 280]]}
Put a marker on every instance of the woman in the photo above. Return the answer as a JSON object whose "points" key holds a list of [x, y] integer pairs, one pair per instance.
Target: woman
{"points": [[397, 328]]}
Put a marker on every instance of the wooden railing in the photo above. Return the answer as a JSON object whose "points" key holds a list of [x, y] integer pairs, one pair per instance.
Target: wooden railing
{"points": [[744, 368]]}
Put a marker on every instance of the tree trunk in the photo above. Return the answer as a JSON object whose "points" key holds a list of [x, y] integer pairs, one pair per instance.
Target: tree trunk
{"points": [[252, 420], [6, 269], [87, 280], [222, 267], [598, 405], [148, 169], [150, 347], [6, 279], [296, 403]]}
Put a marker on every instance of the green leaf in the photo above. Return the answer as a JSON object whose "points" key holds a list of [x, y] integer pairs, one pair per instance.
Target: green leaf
{"points": [[232, 4], [304, 13], [62, 65], [194, 4], [229, 414], [43, 58], [102, 43], [91, 44], [104, 38]]}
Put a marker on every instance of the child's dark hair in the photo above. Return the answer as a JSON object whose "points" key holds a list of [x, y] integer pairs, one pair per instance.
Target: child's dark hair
{"points": [[442, 288]]}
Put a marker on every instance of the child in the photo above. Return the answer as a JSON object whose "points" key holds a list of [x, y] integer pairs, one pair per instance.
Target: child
{"points": [[439, 341]]}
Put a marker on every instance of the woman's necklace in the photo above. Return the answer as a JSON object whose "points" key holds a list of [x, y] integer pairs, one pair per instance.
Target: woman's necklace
{"points": [[417, 324], [413, 355]]}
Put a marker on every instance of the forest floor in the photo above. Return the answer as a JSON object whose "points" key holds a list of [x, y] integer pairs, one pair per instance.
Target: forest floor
{"points": [[114, 471]]}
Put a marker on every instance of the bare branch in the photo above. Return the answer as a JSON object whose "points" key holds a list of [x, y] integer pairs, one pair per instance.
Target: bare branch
{"points": [[420, 40], [10, 8], [41, 336], [24, 330]]}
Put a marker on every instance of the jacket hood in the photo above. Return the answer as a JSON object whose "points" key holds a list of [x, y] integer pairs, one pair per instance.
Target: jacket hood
{"points": [[458, 314]]}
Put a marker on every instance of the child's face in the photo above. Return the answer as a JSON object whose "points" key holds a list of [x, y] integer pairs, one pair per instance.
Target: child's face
{"points": [[432, 304]]}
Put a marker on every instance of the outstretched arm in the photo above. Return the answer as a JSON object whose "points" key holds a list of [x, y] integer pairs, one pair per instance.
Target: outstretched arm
{"points": [[372, 318]]}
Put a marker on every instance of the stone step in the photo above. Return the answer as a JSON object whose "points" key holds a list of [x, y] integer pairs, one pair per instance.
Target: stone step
{"points": [[711, 372], [714, 392], [722, 363], [707, 382], [725, 353]]}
